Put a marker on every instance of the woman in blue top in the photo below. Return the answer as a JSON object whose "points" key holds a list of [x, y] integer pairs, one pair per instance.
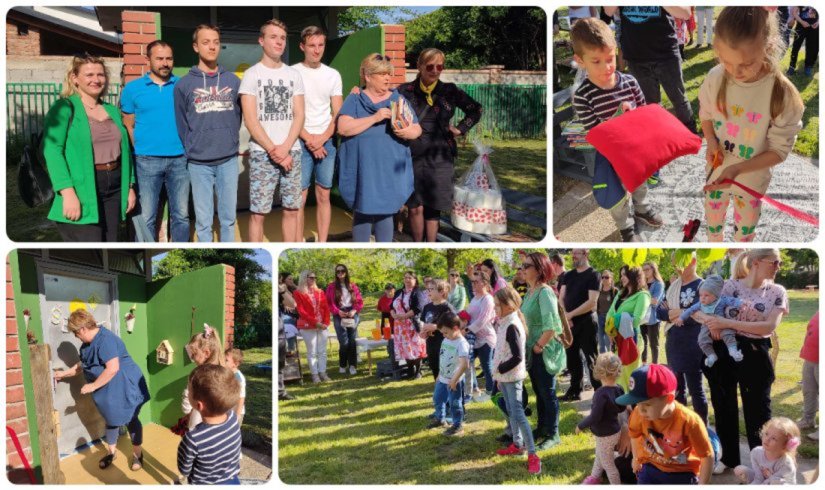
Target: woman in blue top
{"points": [[650, 327], [684, 357], [114, 380], [375, 176]]}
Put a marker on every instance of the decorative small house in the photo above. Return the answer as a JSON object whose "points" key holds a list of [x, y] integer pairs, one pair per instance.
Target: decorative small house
{"points": [[165, 353]]}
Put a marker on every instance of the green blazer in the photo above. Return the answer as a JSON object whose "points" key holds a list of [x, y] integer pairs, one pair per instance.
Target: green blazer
{"points": [[67, 149]]}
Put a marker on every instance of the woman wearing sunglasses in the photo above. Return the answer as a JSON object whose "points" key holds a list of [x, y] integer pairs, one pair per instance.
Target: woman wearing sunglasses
{"points": [[765, 303], [313, 321], [345, 304], [434, 152], [458, 295]]}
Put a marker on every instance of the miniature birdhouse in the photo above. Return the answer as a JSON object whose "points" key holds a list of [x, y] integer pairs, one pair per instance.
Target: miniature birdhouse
{"points": [[165, 353]]}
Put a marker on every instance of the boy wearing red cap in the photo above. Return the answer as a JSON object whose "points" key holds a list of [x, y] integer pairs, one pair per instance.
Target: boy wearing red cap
{"points": [[669, 441]]}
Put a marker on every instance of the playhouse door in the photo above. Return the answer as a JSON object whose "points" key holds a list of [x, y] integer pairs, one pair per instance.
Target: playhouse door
{"points": [[80, 422]]}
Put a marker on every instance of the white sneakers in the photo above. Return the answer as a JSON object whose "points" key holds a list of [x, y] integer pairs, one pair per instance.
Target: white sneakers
{"points": [[342, 370], [719, 468], [352, 370]]}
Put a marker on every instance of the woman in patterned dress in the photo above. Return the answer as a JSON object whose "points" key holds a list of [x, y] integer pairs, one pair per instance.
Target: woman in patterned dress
{"points": [[406, 306]]}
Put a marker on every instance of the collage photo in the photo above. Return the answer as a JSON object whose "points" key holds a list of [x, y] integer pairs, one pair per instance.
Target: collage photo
{"points": [[464, 297]]}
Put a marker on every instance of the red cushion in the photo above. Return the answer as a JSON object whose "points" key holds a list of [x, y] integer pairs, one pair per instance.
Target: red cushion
{"points": [[640, 142]]}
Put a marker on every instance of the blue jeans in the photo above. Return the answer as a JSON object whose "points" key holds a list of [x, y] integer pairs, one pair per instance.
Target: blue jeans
{"points": [[364, 224], [697, 392], [485, 355], [604, 340], [208, 181], [135, 431], [324, 168], [442, 395], [347, 348], [152, 174], [522, 435], [547, 403], [651, 475]]}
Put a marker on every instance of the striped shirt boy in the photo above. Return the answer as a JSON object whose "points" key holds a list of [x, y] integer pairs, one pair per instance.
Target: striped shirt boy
{"points": [[211, 453], [594, 105]]}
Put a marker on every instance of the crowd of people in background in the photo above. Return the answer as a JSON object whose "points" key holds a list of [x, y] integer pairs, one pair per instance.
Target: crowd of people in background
{"points": [[517, 329], [182, 134]]}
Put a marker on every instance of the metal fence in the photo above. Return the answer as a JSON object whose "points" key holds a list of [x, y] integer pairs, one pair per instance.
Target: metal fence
{"points": [[28, 103], [510, 111]]}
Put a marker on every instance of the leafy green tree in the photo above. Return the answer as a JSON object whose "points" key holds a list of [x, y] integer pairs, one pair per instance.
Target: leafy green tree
{"points": [[472, 37], [250, 277], [357, 18]]}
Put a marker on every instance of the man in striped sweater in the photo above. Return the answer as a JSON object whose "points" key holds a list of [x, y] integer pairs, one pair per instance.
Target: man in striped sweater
{"points": [[211, 452], [603, 93]]}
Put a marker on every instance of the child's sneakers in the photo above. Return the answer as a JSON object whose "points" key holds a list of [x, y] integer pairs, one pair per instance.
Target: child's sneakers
{"points": [[454, 431], [650, 218], [511, 450], [353, 371], [437, 424], [592, 480], [736, 354], [342, 370], [711, 360], [534, 464]]}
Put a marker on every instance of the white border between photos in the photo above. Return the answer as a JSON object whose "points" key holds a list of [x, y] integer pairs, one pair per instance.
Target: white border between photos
{"points": [[276, 249]]}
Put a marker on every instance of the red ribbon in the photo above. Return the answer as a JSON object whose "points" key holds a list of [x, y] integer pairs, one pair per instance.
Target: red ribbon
{"points": [[790, 211], [22, 455]]}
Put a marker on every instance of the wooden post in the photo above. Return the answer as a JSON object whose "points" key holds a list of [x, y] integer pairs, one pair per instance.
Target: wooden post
{"points": [[44, 408]]}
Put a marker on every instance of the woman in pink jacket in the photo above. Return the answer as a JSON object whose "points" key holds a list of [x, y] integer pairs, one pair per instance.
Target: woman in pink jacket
{"points": [[345, 303]]}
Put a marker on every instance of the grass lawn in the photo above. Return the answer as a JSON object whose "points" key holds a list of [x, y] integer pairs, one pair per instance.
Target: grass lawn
{"points": [[698, 64], [377, 427], [258, 418]]}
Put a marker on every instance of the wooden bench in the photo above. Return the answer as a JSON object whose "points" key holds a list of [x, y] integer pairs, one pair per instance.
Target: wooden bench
{"points": [[570, 162], [521, 208]]}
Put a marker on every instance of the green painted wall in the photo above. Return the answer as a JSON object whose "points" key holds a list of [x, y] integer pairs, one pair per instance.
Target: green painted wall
{"points": [[132, 291], [346, 53], [170, 314]]}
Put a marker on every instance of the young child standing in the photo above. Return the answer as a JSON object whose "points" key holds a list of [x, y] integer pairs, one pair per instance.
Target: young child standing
{"points": [[453, 361], [210, 453], [669, 441], [810, 378], [774, 462], [751, 114], [509, 371], [437, 291], [203, 348], [598, 98], [712, 302], [385, 305], [603, 420], [233, 360]]}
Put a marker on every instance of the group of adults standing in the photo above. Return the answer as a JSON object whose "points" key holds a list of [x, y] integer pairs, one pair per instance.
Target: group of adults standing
{"points": [[182, 133], [643, 296]]}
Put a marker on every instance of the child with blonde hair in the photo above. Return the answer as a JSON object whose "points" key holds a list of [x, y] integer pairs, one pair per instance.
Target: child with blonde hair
{"points": [[203, 348], [234, 359], [751, 114], [774, 462], [603, 420]]}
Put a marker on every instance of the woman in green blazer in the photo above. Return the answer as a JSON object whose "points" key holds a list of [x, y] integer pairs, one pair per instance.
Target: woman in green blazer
{"points": [[88, 157], [633, 299]]}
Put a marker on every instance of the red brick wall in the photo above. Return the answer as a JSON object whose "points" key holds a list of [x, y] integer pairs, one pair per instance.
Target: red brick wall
{"points": [[22, 45], [395, 48], [138, 30], [15, 396], [229, 299]]}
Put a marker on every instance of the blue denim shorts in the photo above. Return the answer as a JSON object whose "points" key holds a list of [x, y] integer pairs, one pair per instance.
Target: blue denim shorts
{"points": [[265, 177], [324, 168]]}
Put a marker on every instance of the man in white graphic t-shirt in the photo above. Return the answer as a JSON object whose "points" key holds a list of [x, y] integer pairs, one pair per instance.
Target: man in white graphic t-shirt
{"points": [[272, 98]]}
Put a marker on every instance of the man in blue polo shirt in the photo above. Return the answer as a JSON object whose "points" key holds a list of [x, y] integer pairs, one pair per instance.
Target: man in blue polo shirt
{"points": [[148, 108]]}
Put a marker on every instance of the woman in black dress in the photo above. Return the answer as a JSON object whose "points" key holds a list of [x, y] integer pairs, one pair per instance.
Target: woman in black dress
{"points": [[435, 150]]}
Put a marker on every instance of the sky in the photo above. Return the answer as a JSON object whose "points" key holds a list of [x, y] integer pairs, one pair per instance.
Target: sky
{"points": [[261, 256]]}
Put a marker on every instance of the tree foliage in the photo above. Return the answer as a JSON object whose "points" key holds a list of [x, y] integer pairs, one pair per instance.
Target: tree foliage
{"points": [[252, 301], [472, 37], [357, 18]]}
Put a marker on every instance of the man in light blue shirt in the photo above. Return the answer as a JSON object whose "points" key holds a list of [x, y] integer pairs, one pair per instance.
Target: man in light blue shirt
{"points": [[148, 109]]}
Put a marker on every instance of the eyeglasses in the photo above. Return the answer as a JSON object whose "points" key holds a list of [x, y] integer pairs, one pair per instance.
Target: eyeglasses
{"points": [[432, 67], [605, 277], [340, 271], [775, 263], [526, 266], [311, 277], [381, 57], [453, 274]]}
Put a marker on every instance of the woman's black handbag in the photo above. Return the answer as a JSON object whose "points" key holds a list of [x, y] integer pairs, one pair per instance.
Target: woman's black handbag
{"points": [[33, 182]]}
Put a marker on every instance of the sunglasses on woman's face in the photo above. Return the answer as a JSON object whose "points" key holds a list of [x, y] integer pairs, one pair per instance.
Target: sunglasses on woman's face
{"points": [[605, 277], [381, 57], [340, 271], [311, 277], [775, 263], [526, 266], [432, 67], [453, 274]]}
